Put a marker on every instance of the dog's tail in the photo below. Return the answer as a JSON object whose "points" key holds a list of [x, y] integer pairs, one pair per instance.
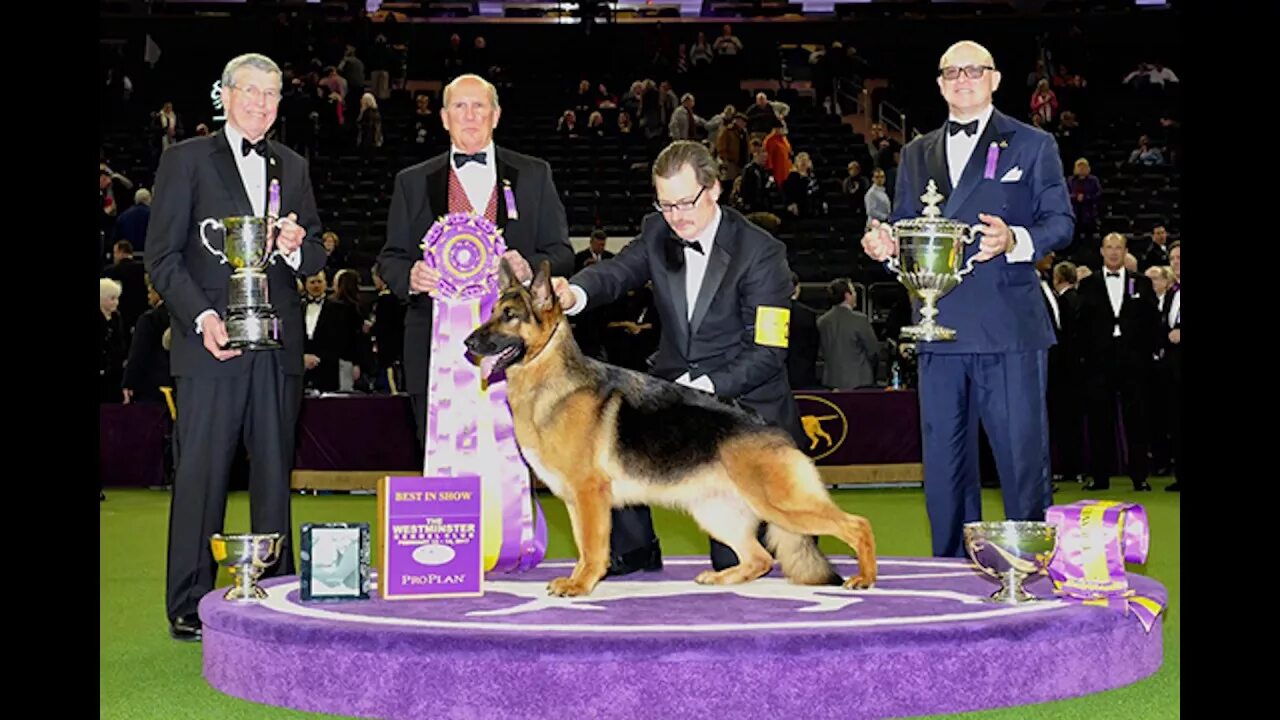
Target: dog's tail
{"points": [[801, 560]]}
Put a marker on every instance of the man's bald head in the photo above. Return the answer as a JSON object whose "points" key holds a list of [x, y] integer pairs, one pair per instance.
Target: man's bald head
{"points": [[970, 50]]}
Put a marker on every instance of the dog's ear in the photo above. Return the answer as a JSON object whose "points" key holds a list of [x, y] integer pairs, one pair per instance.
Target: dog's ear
{"points": [[506, 276], [543, 296]]}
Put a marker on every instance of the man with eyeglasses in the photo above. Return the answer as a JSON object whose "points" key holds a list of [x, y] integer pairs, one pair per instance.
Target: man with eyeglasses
{"points": [[1007, 176], [474, 175], [224, 394], [721, 285]]}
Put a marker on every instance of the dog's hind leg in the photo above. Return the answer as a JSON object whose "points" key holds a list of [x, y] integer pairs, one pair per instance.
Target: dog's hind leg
{"points": [[784, 488], [728, 519], [589, 516]]}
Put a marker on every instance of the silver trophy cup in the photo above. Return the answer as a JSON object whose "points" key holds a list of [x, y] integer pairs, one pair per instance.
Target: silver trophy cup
{"points": [[1011, 551], [252, 324], [930, 256], [246, 556]]}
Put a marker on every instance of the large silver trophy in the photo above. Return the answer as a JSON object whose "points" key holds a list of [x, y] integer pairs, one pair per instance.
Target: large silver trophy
{"points": [[1011, 551], [247, 556], [930, 255], [252, 324]]}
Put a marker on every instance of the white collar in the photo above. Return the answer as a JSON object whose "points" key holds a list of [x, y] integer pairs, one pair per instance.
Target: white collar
{"points": [[235, 138], [983, 118]]}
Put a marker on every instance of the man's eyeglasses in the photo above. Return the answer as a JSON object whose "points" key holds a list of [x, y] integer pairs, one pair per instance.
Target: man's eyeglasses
{"points": [[973, 72], [684, 206], [257, 94]]}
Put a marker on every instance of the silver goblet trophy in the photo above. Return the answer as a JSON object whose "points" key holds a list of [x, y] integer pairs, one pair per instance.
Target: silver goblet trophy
{"points": [[252, 324], [246, 556], [930, 255], [1011, 551]]}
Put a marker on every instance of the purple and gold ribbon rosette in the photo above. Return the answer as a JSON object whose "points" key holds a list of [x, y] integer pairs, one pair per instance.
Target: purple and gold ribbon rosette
{"points": [[470, 430], [1095, 539]]}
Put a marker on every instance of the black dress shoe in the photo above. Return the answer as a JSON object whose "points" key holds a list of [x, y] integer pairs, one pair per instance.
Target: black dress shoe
{"points": [[1173, 487], [1094, 484], [1141, 486], [101, 496], [648, 559], [187, 628]]}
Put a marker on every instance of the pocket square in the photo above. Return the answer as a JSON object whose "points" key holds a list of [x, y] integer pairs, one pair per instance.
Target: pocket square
{"points": [[1014, 175]]}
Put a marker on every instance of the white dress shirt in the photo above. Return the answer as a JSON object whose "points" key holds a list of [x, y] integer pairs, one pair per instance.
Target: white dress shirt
{"points": [[1053, 303], [1175, 309], [1115, 292]]}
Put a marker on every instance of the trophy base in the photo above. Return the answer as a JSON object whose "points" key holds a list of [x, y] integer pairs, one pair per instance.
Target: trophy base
{"points": [[1011, 592], [239, 594], [252, 330], [927, 332]]}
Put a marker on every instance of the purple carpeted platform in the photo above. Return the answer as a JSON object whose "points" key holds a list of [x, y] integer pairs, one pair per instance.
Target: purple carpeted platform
{"points": [[658, 645]]}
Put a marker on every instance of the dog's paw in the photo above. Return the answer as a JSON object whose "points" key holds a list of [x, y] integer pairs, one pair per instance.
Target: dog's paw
{"points": [[708, 577], [857, 583], [567, 587]]}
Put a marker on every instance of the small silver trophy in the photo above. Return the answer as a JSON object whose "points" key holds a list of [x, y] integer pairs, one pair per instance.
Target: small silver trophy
{"points": [[246, 556], [1011, 551], [930, 255]]}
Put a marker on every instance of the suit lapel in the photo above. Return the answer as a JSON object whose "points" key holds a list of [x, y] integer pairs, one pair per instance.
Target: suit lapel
{"points": [[508, 174], [935, 157], [274, 166], [717, 266], [675, 279], [438, 189], [225, 163], [997, 131]]}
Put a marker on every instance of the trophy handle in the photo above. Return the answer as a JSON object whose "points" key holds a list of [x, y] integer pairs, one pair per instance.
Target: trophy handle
{"points": [[270, 259], [971, 237], [205, 224]]}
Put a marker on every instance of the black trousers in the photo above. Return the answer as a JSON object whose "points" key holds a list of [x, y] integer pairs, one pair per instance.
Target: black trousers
{"points": [[1123, 384], [214, 414]]}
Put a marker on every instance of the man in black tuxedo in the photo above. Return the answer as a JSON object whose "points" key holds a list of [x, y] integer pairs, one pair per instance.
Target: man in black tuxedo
{"points": [[131, 275], [147, 369], [225, 394], [1119, 325], [333, 334], [721, 284], [595, 251], [1066, 376], [802, 353], [471, 176]]}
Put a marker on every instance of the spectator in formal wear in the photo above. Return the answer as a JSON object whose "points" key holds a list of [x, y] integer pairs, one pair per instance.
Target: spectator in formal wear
{"points": [[802, 352], [801, 191], [132, 223], [131, 275], [850, 349], [1119, 325], [147, 369], [1172, 341], [878, 205], [1160, 388], [1158, 253], [1086, 201]]}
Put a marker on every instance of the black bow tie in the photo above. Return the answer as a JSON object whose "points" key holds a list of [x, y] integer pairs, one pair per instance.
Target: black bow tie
{"points": [[694, 245], [313, 300], [1113, 274], [969, 128], [460, 159], [259, 147]]}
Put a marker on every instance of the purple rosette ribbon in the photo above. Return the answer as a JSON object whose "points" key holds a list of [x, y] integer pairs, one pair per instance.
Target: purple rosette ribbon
{"points": [[1095, 539], [470, 430]]}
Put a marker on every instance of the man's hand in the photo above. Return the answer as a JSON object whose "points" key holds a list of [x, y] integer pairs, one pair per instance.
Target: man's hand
{"points": [[997, 238], [563, 293], [1175, 337], [423, 279], [291, 235], [879, 243], [128, 396], [519, 265], [310, 361], [214, 332]]}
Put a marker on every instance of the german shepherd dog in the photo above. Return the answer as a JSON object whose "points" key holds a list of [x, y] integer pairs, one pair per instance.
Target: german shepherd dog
{"points": [[601, 436]]}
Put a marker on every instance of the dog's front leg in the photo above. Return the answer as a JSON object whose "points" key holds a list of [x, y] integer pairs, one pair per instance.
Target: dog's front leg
{"points": [[589, 515]]}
